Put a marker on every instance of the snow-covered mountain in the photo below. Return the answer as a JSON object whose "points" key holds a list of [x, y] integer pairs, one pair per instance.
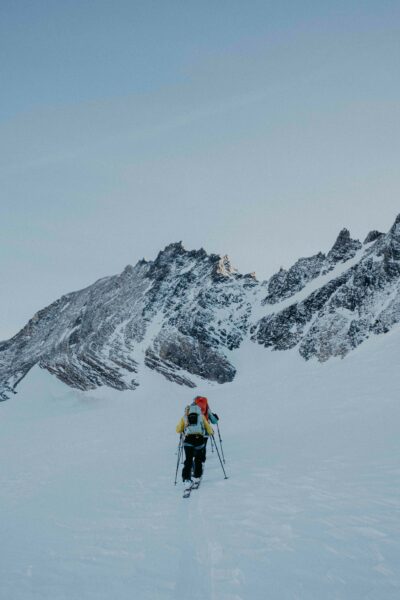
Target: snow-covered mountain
{"points": [[186, 312], [89, 509]]}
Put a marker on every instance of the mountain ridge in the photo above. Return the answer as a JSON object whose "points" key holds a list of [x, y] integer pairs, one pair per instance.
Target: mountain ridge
{"points": [[185, 312]]}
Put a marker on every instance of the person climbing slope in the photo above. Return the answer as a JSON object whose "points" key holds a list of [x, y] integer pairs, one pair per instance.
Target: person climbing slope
{"points": [[194, 426], [213, 418]]}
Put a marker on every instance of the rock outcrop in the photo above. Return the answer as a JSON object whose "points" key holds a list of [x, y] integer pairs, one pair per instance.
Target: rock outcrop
{"points": [[347, 309]]}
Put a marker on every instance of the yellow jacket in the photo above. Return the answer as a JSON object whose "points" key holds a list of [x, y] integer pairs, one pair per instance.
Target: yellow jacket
{"points": [[180, 428]]}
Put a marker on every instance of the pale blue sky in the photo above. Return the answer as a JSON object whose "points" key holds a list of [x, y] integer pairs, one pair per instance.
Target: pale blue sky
{"points": [[256, 129]]}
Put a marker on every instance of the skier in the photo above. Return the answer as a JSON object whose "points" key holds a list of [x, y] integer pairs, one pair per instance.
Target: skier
{"points": [[194, 426], [213, 418]]}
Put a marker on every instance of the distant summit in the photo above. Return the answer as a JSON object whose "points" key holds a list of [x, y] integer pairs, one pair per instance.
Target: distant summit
{"points": [[184, 313]]}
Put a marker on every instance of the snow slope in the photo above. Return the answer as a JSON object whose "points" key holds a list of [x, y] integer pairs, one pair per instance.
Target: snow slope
{"points": [[310, 510]]}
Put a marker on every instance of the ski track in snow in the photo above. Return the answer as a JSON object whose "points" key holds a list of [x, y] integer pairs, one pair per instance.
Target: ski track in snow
{"points": [[310, 511]]}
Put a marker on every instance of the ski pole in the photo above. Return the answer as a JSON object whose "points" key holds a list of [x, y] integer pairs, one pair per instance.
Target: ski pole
{"points": [[179, 457], [212, 445], [216, 447], [220, 443]]}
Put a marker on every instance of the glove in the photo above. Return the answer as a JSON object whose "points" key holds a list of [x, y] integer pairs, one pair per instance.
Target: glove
{"points": [[216, 416]]}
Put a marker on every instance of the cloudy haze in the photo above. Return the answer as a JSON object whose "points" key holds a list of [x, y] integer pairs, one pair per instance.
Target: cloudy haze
{"points": [[255, 129]]}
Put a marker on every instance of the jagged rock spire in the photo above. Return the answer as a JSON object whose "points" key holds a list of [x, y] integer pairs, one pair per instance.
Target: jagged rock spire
{"points": [[395, 229], [343, 248]]}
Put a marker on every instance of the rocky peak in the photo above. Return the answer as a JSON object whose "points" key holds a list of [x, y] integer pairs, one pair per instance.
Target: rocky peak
{"points": [[170, 252], [173, 256], [223, 266], [389, 248], [344, 247], [373, 236], [395, 229]]}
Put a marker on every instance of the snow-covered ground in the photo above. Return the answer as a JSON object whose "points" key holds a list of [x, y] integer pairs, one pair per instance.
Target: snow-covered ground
{"points": [[311, 509]]}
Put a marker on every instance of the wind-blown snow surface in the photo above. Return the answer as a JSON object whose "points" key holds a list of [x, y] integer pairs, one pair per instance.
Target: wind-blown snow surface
{"points": [[311, 509]]}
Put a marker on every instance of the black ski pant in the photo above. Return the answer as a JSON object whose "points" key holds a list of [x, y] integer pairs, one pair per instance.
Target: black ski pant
{"points": [[194, 446]]}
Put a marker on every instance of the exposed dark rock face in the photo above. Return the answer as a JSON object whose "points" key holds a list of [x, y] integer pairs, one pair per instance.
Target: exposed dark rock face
{"points": [[172, 352], [179, 315], [286, 283], [343, 249], [373, 236], [285, 329], [344, 312], [185, 312]]}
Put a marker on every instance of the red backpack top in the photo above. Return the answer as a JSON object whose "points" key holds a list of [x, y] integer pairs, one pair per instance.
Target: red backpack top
{"points": [[202, 402]]}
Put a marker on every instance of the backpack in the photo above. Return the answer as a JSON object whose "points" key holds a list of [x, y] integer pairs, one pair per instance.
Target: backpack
{"points": [[202, 402], [194, 424]]}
